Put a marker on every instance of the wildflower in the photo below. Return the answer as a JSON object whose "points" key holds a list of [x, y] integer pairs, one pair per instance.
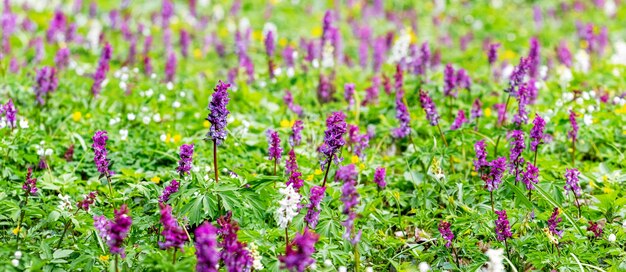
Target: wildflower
{"points": [[449, 81], [169, 190], [446, 233], [114, 231], [291, 165], [371, 92], [274, 151], [218, 114], [69, 153], [493, 179], [463, 81], [186, 158], [573, 134], [531, 176], [167, 11], [571, 181], [429, 107], [501, 111], [336, 127], [534, 58], [234, 254], [270, 46], [521, 117], [288, 99], [30, 185], [313, 208], [564, 55], [56, 27], [517, 76], [378, 54], [358, 142], [102, 70], [206, 248], [325, 89], [595, 228], [554, 221], [503, 230], [288, 206], [536, 133], [350, 198], [87, 201], [9, 113], [517, 147], [100, 152], [481, 156], [62, 58], [349, 93], [185, 40], [175, 236], [296, 133], [496, 258], [379, 177], [459, 120], [402, 113], [492, 53], [254, 252], [298, 253], [170, 67]]}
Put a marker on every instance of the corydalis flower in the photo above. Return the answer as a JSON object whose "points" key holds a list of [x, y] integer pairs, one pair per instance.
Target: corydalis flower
{"points": [[573, 134], [102, 70], [503, 230], [62, 58], [296, 133], [350, 198], [553, 223], [87, 201], [218, 114], [571, 181], [463, 80], [493, 178], [534, 58], [536, 133], [114, 231], [481, 156], [298, 253], [477, 110], [274, 150], [100, 152], [429, 107], [446, 233], [449, 81], [595, 228], [531, 176], [459, 120], [175, 236], [170, 67], [186, 158], [295, 108], [517, 147], [349, 93], [47, 83], [313, 208], [288, 206], [402, 113], [492, 53], [358, 142], [234, 254], [295, 177], [30, 184], [206, 248], [563, 54], [517, 76], [336, 127], [379, 177], [169, 190], [501, 111], [9, 112]]}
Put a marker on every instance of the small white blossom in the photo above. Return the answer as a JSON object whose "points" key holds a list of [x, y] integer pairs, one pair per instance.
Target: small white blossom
{"points": [[288, 206], [169, 86], [18, 254], [163, 137], [328, 55], [23, 123], [176, 104], [131, 117], [15, 262], [400, 48], [612, 238], [587, 119], [424, 267], [254, 252], [329, 263], [343, 269], [149, 93], [582, 63], [123, 134], [161, 97], [156, 117], [146, 120], [496, 256], [65, 203]]}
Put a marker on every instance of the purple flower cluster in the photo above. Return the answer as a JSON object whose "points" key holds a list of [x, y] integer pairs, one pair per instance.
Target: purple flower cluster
{"points": [[563, 54], [30, 184], [296, 133], [449, 81], [298, 253], [518, 145], [288, 99], [536, 133], [492, 53], [501, 111], [523, 98], [175, 236], [429, 107], [463, 80], [100, 152], [206, 248], [56, 27], [379, 177], [534, 58], [62, 58], [168, 191], [531, 176], [185, 40], [102, 70], [481, 156], [477, 110], [170, 66], [350, 198], [571, 181], [493, 178], [234, 253], [349, 93], [218, 114], [114, 231], [47, 83], [274, 150], [446, 233], [270, 44], [573, 134], [336, 127], [503, 230], [517, 76], [459, 120], [402, 113], [553, 223], [325, 89], [87, 201], [372, 92], [186, 158], [295, 177], [358, 142], [595, 228], [315, 199], [10, 112]]}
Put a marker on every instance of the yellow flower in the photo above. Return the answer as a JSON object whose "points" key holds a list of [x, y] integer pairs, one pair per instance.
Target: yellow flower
{"points": [[607, 190], [156, 179], [285, 123], [88, 115], [583, 44], [621, 110], [509, 55], [206, 124], [16, 230], [318, 172], [197, 53], [257, 35], [605, 178], [309, 178], [254, 174], [316, 32], [592, 184], [168, 137], [104, 258], [474, 173], [176, 138], [354, 159], [76, 116], [362, 166], [488, 112], [282, 42]]}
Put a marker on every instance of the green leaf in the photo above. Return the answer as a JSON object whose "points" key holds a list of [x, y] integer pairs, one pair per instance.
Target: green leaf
{"points": [[62, 253], [519, 194]]}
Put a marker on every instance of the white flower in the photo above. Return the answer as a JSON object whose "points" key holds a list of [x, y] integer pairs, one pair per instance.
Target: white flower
{"points": [[400, 49], [369, 269], [176, 104], [18, 254], [495, 260], [254, 252], [587, 119], [149, 93], [48, 152], [582, 61], [131, 117], [327, 55], [156, 117], [269, 26], [161, 97], [424, 267], [123, 85], [65, 203], [114, 121], [343, 269], [15, 262], [612, 238], [23, 123], [610, 8], [288, 206], [123, 134], [329, 263], [565, 74], [169, 86], [146, 119], [163, 137]]}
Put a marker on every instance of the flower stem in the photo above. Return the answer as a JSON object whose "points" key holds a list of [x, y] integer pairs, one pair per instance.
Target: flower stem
{"points": [[506, 247], [573, 153], [19, 223], [116, 268], [493, 209], [357, 259], [67, 226], [174, 256], [275, 165], [215, 160], [577, 203], [327, 170], [456, 257], [286, 237]]}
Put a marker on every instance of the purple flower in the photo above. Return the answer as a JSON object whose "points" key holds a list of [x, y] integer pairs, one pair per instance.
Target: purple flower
{"points": [[234, 254], [147, 65], [424, 59], [459, 120], [175, 236], [517, 76], [446, 233], [327, 27], [298, 253], [349, 93], [291, 167], [291, 164], [553, 223], [87, 201], [102, 70], [288, 57], [477, 110], [429, 107], [114, 232], [573, 134], [47, 83], [62, 58], [186, 158], [274, 150], [30, 185], [168, 191], [270, 44], [9, 112], [371, 92], [379, 177], [595, 228], [399, 81], [325, 89], [449, 81], [571, 181], [521, 117], [185, 40], [288, 99], [602, 40], [313, 208], [358, 142], [336, 127], [481, 156], [503, 230], [492, 53], [296, 133], [493, 178], [463, 80], [534, 58], [56, 27], [170, 67], [518, 145], [167, 11], [218, 114], [378, 55], [206, 248], [536, 133], [402, 113], [563, 54], [350, 198], [100, 152], [501, 111], [531, 176]]}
